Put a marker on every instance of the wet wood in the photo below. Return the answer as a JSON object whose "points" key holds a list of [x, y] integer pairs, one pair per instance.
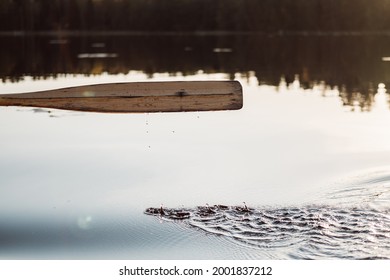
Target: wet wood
{"points": [[140, 97]]}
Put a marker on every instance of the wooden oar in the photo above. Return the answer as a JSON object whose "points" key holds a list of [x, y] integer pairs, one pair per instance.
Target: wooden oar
{"points": [[139, 97]]}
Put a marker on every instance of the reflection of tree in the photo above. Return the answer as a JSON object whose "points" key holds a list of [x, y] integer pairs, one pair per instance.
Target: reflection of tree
{"points": [[363, 99], [350, 62], [354, 62]]}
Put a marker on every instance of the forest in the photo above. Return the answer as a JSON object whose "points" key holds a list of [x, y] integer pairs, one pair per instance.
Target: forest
{"points": [[195, 15]]}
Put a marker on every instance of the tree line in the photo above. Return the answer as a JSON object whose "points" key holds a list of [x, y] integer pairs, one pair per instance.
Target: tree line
{"points": [[195, 15]]}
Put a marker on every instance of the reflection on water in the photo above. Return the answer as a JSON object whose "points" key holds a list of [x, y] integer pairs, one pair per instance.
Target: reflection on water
{"points": [[354, 100], [355, 65], [97, 55], [76, 186]]}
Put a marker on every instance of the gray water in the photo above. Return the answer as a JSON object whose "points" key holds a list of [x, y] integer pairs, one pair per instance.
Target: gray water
{"points": [[353, 222], [310, 232], [314, 173]]}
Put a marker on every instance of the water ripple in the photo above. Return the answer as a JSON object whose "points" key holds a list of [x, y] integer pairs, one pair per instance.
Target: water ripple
{"points": [[308, 232]]}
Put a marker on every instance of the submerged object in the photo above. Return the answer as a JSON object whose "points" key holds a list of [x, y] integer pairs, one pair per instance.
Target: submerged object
{"points": [[204, 212], [243, 209], [221, 207], [154, 211], [136, 97], [177, 214]]}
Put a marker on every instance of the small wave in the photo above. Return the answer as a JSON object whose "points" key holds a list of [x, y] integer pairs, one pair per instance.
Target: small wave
{"points": [[369, 189], [308, 232]]}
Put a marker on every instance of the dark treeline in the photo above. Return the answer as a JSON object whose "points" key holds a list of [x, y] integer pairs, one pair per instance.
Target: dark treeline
{"points": [[352, 63], [195, 15]]}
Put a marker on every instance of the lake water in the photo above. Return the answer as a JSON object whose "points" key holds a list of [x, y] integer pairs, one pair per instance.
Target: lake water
{"points": [[309, 157]]}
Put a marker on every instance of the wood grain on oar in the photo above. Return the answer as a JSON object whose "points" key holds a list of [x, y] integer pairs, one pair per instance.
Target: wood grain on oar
{"points": [[136, 97]]}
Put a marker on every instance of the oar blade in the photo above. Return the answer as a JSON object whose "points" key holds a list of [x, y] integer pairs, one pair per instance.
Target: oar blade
{"points": [[142, 97]]}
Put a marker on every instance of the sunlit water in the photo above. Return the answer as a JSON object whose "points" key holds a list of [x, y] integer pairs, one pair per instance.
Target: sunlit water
{"points": [[314, 173]]}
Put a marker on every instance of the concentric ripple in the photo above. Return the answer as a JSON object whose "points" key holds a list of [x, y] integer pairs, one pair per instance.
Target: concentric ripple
{"points": [[308, 232]]}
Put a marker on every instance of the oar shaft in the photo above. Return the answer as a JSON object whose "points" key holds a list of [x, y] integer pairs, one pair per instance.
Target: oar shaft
{"points": [[136, 97]]}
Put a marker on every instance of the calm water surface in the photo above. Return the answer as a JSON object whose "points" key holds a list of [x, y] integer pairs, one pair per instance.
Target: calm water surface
{"points": [[315, 173]]}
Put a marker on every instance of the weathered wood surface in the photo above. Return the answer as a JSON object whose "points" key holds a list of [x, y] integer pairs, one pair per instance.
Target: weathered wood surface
{"points": [[136, 97]]}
